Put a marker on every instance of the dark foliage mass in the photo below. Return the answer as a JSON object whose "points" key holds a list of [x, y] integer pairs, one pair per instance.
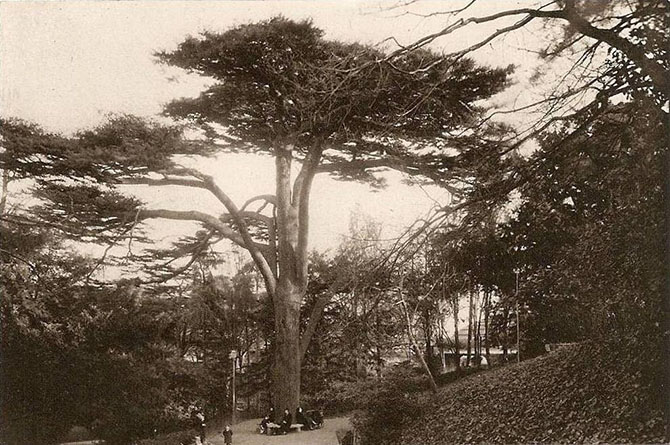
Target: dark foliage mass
{"points": [[185, 437], [393, 403], [105, 358], [587, 393], [587, 238]]}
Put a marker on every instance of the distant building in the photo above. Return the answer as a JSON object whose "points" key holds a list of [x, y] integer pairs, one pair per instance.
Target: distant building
{"points": [[451, 359]]}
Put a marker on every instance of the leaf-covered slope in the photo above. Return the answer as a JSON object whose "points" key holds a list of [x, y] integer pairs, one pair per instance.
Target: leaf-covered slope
{"points": [[574, 395]]}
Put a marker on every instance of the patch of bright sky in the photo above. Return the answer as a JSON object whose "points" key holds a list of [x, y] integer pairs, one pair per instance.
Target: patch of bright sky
{"points": [[66, 65]]}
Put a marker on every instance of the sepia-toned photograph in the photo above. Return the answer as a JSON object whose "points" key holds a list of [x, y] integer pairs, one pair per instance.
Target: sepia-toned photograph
{"points": [[353, 222]]}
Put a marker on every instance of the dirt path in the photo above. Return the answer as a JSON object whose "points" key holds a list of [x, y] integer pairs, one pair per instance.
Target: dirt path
{"points": [[246, 433]]}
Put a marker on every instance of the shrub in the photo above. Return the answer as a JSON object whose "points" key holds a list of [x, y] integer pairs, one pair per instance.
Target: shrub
{"points": [[345, 397], [394, 402], [450, 377], [341, 397], [177, 438]]}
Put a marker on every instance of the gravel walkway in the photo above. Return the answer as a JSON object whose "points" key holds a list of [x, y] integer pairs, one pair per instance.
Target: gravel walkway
{"points": [[246, 433]]}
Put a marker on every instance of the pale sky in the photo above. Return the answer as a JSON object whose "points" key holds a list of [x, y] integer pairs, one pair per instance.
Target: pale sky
{"points": [[65, 65]]}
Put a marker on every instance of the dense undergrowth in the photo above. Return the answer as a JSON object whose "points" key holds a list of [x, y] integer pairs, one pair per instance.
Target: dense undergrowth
{"points": [[585, 393]]}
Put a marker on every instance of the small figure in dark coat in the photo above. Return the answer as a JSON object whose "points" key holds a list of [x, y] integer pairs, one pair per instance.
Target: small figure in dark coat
{"points": [[264, 425], [200, 424], [286, 421], [227, 435], [271, 415]]}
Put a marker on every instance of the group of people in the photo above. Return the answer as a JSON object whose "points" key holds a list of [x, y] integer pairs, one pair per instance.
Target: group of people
{"points": [[272, 424], [227, 433]]}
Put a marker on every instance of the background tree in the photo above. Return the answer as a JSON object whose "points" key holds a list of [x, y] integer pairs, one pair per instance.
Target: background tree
{"points": [[617, 51], [600, 196], [76, 354], [357, 330]]}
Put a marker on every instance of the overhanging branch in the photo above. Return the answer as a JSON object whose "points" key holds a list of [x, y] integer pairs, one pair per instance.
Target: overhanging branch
{"points": [[241, 237], [404, 166], [164, 182], [256, 254], [194, 215]]}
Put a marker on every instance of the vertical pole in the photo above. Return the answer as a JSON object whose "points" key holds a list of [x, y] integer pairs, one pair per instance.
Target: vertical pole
{"points": [[234, 399], [518, 328]]}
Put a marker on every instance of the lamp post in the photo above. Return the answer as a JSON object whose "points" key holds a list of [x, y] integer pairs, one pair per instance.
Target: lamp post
{"points": [[233, 357], [518, 330]]}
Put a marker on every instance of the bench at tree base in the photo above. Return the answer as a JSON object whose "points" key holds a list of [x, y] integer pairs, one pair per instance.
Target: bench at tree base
{"points": [[274, 429]]}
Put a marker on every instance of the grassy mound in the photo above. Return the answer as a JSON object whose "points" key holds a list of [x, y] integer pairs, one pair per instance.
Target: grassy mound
{"points": [[579, 394]]}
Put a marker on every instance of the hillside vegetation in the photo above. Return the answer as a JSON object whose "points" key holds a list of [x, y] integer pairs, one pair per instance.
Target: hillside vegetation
{"points": [[578, 394]]}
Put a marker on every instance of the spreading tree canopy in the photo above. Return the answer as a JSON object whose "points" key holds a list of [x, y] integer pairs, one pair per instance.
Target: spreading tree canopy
{"points": [[281, 88]]}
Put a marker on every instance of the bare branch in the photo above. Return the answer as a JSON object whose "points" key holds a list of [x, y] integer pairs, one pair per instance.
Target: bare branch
{"points": [[248, 243], [200, 248], [272, 199], [102, 258], [411, 338], [658, 74], [165, 181], [267, 220], [132, 229], [206, 182], [313, 321], [193, 215], [23, 260], [529, 12]]}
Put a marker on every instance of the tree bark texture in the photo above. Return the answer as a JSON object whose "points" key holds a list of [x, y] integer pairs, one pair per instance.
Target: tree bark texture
{"points": [[286, 370]]}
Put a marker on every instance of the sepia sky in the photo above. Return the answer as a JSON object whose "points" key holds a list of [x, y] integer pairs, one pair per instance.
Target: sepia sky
{"points": [[65, 65]]}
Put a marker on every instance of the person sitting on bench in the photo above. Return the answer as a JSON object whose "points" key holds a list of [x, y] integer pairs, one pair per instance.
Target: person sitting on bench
{"points": [[286, 422], [263, 426], [301, 417], [316, 416]]}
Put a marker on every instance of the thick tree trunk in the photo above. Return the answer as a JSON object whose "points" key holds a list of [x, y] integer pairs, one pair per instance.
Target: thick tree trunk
{"points": [[288, 293], [286, 372]]}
